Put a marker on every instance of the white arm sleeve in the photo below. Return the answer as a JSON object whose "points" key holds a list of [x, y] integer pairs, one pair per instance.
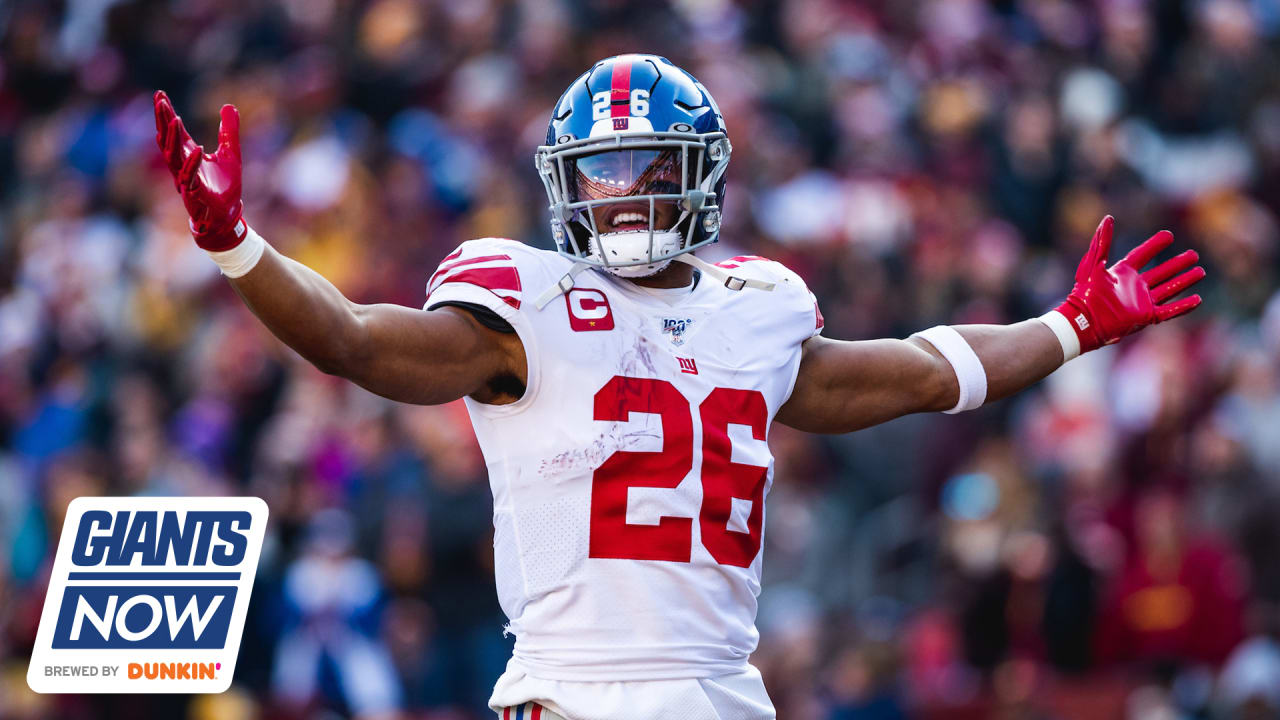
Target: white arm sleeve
{"points": [[964, 361]]}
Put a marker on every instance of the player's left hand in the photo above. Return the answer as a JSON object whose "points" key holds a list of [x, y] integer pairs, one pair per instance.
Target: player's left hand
{"points": [[1108, 303]]}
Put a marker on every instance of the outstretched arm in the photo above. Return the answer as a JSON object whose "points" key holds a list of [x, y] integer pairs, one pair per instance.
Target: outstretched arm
{"points": [[845, 386], [401, 353], [406, 354]]}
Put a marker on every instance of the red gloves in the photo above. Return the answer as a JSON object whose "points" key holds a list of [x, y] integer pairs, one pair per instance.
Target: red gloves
{"points": [[1107, 304], [209, 183]]}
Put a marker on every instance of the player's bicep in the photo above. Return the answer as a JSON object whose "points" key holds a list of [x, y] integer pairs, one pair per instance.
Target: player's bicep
{"points": [[428, 357], [844, 386]]}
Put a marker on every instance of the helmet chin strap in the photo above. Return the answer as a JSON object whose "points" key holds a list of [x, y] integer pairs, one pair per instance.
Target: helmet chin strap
{"points": [[562, 286], [732, 282]]}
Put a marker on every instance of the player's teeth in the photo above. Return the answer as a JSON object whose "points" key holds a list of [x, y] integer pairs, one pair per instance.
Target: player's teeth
{"points": [[623, 218]]}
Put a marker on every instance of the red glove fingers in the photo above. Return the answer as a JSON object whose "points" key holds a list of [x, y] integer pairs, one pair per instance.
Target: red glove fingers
{"points": [[1099, 246], [1174, 309], [1163, 292], [1171, 267], [229, 130], [1146, 252], [175, 143], [187, 172], [208, 182]]}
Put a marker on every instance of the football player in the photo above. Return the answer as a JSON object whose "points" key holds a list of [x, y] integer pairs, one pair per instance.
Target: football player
{"points": [[622, 388]]}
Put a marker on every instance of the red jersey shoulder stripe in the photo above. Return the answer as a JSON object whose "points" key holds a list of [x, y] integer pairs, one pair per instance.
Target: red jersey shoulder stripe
{"points": [[495, 273], [451, 256], [734, 262], [446, 265], [501, 281]]}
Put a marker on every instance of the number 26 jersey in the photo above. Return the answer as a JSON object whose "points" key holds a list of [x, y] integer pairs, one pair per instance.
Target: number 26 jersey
{"points": [[629, 480]]}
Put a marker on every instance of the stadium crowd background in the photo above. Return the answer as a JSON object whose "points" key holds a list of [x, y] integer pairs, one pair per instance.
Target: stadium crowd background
{"points": [[1101, 546]]}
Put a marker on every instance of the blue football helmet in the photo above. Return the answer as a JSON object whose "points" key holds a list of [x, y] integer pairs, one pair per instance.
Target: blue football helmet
{"points": [[634, 166]]}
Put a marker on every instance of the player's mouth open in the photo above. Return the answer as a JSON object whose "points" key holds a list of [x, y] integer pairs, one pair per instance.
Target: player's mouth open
{"points": [[626, 220]]}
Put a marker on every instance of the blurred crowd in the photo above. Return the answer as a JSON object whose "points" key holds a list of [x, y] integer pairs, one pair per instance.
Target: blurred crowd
{"points": [[1103, 545]]}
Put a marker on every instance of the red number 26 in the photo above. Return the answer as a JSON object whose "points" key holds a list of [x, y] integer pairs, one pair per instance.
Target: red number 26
{"points": [[722, 479]]}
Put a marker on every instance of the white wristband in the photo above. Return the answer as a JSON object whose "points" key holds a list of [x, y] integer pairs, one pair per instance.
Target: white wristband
{"points": [[1061, 327], [964, 361], [240, 259]]}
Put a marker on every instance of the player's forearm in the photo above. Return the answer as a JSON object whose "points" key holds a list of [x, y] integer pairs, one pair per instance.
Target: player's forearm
{"points": [[843, 386], [1014, 356], [303, 309], [975, 364]]}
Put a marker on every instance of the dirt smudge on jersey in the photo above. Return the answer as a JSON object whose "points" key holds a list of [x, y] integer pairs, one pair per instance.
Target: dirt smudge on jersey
{"points": [[593, 454], [636, 362], [639, 356]]}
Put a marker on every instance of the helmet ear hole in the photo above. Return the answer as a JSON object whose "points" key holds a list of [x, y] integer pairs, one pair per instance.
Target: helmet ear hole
{"points": [[580, 237]]}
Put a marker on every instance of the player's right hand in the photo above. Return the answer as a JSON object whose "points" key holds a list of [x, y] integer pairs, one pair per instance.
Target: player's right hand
{"points": [[209, 183]]}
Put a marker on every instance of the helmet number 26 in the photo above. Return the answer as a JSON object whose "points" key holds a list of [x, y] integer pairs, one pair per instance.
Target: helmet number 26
{"points": [[601, 104], [723, 480]]}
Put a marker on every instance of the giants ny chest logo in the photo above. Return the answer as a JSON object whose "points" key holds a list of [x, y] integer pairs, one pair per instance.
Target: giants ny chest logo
{"points": [[148, 595]]}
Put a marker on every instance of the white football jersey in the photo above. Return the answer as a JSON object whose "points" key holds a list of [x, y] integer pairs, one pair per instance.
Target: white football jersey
{"points": [[629, 480]]}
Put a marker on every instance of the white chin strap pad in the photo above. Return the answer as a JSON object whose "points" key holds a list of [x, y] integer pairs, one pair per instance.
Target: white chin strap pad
{"points": [[628, 252]]}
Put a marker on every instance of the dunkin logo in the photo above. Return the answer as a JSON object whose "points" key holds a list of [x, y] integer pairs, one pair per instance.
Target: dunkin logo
{"points": [[173, 671]]}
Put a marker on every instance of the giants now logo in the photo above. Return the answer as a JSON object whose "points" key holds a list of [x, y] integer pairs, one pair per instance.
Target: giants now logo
{"points": [[148, 595]]}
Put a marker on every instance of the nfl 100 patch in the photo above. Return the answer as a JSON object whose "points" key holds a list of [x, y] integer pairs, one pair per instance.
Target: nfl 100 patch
{"points": [[676, 328]]}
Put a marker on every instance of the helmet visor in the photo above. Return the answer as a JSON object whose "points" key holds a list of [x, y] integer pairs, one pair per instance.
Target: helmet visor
{"points": [[625, 173]]}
